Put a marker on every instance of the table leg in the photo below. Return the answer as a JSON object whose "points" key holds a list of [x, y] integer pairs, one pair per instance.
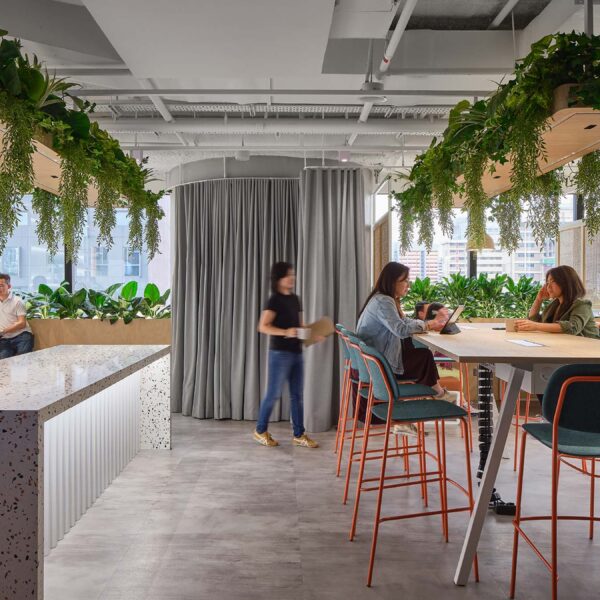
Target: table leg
{"points": [[489, 477]]}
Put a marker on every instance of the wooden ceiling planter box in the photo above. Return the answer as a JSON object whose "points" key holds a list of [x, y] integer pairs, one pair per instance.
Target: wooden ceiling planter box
{"points": [[573, 132], [46, 167]]}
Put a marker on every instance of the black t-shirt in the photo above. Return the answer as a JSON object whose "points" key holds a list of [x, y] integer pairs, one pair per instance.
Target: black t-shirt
{"points": [[287, 309]]}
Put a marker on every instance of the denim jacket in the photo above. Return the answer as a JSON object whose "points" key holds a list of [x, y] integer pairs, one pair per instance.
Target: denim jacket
{"points": [[381, 326]]}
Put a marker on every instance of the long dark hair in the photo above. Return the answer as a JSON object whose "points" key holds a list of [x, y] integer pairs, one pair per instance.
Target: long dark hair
{"points": [[572, 288], [278, 271], [386, 282]]}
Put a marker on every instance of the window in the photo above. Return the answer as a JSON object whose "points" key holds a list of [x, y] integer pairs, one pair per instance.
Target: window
{"points": [[102, 261], [27, 261], [132, 263], [98, 267], [11, 262]]}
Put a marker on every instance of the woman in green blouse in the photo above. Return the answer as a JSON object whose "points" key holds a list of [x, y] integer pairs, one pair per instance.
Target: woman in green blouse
{"points": [[568, 312]]}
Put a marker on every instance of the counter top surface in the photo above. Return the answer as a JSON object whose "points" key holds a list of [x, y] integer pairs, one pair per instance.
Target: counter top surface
{"points": [[51, 381]]}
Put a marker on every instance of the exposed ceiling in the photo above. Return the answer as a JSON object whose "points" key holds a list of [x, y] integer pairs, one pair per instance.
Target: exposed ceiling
{"points": [[196, 79]]}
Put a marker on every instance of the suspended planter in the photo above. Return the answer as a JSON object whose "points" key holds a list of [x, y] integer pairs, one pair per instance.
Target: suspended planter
{"points": [[48, 142], [498, 152]]}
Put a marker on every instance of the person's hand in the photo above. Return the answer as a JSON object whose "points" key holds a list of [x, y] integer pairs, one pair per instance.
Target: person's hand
{"points": [[525, 325], [291, 332], [440, 320], [543, 293]]}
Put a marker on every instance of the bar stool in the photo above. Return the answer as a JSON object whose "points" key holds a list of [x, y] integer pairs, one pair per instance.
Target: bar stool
{"points": [[571, 405], [394, 409], [345, 390]]}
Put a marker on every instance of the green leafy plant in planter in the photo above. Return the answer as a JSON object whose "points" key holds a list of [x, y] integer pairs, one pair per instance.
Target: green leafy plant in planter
{"points": [[33, 105], [508, 125], [519, 296], [420, 290], [488, 296], [458, 289], [118, 301]]}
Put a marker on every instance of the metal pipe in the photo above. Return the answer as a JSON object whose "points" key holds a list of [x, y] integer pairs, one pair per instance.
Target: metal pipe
{"points": [[252, 149], [506, 9], [403, 20], [272, 126], [95, 93], [588, 17]]}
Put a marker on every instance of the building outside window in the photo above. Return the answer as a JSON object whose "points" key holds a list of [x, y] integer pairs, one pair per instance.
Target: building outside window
{"points": [[132, 263], [30, 265], [11, 262]]}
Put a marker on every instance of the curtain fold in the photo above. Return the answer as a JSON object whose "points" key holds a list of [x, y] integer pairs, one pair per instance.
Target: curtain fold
{"points": [[227, 234], [332, 277]]}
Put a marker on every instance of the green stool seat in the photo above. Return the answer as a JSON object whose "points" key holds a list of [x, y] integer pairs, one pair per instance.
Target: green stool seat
{"points": [[420, 410], [570, 441]]}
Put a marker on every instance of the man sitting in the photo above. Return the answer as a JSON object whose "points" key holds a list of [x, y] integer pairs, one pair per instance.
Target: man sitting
{"points": [[15, 333]]}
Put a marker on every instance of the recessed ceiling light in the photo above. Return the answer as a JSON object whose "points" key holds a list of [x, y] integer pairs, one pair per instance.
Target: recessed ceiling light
{"points": [[590, 126], [496, 176]]}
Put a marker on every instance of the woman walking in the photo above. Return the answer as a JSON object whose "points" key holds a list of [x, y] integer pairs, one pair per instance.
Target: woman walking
{"points": [[281, 319]]}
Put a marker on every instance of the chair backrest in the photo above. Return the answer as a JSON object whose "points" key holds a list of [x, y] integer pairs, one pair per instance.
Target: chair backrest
{"points": [[383, 380], [356, 359], [341, 332], [581, 407]]}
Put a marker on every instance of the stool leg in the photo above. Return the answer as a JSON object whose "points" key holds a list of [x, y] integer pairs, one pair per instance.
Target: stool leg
{"points": [[554, 562], [517, 415], [592, 497], [352, 441], [470, 489], [517, 520], [422, 462], [445, 479], [361, 469], [344, 422], [440, 477], [386, 438], [342, 409]]}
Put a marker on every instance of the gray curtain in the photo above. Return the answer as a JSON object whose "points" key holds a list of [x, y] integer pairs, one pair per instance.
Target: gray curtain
{"points": [[332, 277], [227, 234]]}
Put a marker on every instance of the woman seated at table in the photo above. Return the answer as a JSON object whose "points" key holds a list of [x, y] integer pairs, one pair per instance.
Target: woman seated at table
{"points": [[567, 313], [383, 325]]}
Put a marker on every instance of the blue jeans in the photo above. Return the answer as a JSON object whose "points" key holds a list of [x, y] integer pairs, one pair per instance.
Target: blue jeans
{"points": [[20, 344], [283, 366]]}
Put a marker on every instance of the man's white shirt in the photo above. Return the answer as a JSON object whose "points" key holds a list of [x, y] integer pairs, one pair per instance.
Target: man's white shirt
{"points": [[10, 310]]}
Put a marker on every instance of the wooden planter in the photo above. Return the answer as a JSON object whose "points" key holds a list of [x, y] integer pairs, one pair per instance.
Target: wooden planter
{"points": [[47, 166], [572, 133], [54, 332]]}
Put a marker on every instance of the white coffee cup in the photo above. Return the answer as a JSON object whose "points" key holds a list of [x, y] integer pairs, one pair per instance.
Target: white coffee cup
{"points": [[510, 324], [302, 333]]}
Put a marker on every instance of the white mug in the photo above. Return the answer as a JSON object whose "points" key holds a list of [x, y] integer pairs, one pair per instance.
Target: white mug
{"points": [[302, 333]]}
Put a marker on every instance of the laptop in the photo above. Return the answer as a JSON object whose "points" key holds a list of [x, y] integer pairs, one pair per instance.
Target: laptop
{"points": [[451, 327]]}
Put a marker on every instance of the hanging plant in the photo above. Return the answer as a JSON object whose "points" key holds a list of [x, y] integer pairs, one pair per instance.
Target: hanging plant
{"points": [[152, 234], [506, 211], [104, 214], [16, 164], [587, 181], [47, 207], [544, 207], [73, 191], [476, 200]]}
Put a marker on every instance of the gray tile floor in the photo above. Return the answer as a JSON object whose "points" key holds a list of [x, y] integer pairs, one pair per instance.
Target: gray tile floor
{"points": [[220, 517]]}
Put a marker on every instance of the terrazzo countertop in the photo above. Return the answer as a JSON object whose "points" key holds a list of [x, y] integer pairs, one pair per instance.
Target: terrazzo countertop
{"points": [[53, 380]]}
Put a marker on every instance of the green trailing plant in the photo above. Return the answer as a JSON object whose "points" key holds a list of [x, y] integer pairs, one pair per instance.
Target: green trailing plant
{"points": [[544, 207], [118, 301], [509, 125], [506, 211], [73, 189], [587, 181], [33, 105], [46, 206]]}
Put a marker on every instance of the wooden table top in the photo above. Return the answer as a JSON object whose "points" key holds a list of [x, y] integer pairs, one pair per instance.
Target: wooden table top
{"points": [[479, 343]]}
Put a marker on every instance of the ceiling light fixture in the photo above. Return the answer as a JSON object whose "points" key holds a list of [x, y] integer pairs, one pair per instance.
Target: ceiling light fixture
{"points": [[344, 156]]}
